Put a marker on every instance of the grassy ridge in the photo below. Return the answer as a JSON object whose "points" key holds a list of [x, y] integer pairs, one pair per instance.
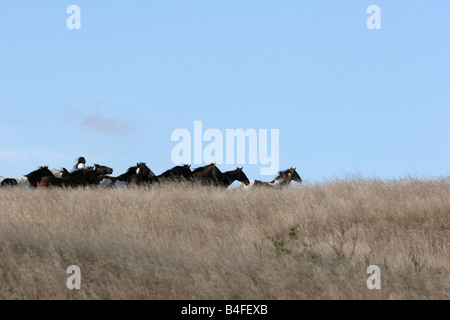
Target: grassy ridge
{"points": [[314, 241]]}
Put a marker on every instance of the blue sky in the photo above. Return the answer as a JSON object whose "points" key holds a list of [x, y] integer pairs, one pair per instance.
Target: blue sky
{"points": [[345, 99]]}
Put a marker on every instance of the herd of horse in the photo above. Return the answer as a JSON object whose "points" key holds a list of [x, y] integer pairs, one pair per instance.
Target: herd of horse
{"points": [[141, 175]]}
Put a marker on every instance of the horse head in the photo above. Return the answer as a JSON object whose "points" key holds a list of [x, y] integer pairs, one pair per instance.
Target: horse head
{"points": [[143, 170], [102, 170], [186, 172], [241, 176], [287, 176], [295, 176], [64, 173]]}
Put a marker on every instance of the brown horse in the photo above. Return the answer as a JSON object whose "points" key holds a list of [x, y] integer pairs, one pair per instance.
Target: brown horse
{"points": [[259, 183], [36, 176], [178, 173]]}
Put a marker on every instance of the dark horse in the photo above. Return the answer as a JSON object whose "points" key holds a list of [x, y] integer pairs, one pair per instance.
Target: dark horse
{"points": [[91, 175], [143, 175], [136, 173], [204, 174], [228, 177], [35, 176], [211, 175], [176, 174], [288, 176], [9, 182]]}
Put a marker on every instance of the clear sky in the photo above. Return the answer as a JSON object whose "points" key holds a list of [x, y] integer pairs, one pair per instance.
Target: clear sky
{"points": [[345, 99]]}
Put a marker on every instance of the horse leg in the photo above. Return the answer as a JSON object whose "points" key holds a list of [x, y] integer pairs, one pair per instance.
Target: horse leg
{"points": [[41, 183]]}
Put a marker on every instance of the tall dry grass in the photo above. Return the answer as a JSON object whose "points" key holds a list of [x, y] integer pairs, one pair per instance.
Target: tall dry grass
{"points": [[314, 241]]}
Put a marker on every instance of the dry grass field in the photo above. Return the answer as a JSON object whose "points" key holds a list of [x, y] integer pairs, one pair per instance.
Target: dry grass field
{"points": [[312, 241]]}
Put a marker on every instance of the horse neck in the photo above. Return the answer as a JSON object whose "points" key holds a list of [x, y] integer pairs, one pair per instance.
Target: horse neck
{"points": [[65, 174], [285, 181], [228, 177], [127, 174], [40, 173], [183, 172], [187, 175]]}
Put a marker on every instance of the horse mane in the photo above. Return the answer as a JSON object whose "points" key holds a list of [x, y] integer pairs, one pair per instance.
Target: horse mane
{"points": [[177, 169], [234, 170], [171, 170], [132, 170], [183, 167], [38, 169], [281, 174], [202, 168]]}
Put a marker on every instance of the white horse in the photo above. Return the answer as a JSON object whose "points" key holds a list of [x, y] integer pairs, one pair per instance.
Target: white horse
{"points": [[283, 179]]}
